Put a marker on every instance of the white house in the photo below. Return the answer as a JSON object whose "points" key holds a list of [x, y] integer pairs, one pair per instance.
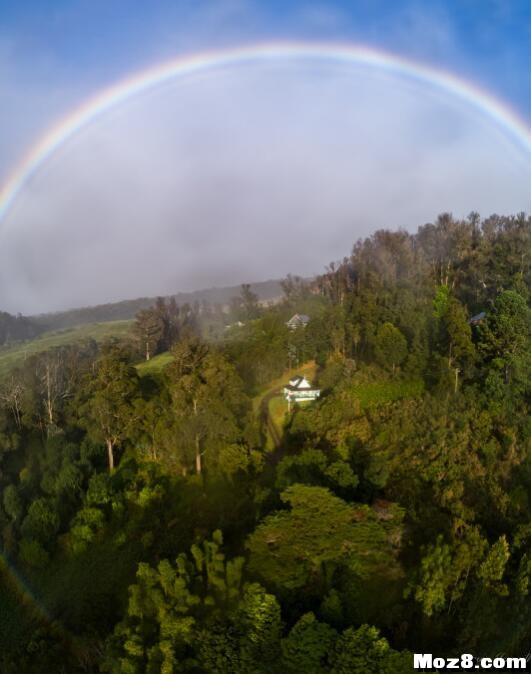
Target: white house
{"points": [[298, 321], [299, 390]]}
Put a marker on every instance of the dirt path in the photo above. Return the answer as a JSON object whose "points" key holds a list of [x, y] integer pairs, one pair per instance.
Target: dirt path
{"points": [[266, 419]]}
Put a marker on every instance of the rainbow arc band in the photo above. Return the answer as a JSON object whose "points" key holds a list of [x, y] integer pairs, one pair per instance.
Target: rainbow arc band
{"points": [[185, 65]]}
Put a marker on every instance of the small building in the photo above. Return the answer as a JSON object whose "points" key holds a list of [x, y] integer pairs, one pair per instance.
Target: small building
{"points": [[478, 318], [300, 390], [238, 324], [298, 321]]}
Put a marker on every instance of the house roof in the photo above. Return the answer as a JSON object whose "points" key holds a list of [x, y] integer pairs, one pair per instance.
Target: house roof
{"points": [[298, 319], [478, 317], [299, 383]]}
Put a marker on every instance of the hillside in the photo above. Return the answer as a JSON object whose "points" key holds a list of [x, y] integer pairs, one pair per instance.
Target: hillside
{"points": [[15, 354], [267, 291]]}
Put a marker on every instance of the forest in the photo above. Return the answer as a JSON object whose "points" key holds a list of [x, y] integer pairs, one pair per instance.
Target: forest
{"points": [[152, 522]]}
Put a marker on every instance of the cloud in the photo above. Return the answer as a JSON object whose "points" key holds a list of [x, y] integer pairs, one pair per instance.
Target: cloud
{"points": [[247, 174], [240, 175]]}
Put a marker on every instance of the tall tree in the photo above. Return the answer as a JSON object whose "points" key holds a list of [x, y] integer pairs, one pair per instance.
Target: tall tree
{"points": [[458, 338], [390, 346], [208, 399], [108, 411], [149, 329]]}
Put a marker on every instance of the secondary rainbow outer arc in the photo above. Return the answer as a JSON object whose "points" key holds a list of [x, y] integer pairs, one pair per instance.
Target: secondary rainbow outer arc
{"points": [[189, 64]]}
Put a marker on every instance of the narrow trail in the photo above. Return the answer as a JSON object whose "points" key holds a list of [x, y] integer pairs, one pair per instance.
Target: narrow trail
{"points": [[266, 419]]}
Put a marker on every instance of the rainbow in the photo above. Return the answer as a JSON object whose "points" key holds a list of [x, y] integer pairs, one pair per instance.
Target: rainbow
{"points": [[182, 66]]}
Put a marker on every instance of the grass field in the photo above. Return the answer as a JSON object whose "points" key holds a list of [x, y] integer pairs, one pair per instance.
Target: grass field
{"points": [[155, 364], [13, 355]]}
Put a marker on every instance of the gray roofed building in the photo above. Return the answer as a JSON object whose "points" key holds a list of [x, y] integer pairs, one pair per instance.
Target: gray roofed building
{"points": [[298, 321], [478, 318]]}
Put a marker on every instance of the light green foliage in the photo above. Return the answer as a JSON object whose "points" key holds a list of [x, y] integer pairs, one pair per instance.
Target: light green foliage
{"points": [[505, 341], [32, 553], [306, 647], [85, 527], [445, 569], [523, 577], [364, 651], [99, 490], [441, 301], [492, 568], [41, 521], [506, 331], [436, 566], [208, 402], [247, 641], [331, 609], [108, 412], [12, 502], [154, 365], [301, 547], [390, 346], [459, 332], [13, 356], [340, 473], [196, 611]]}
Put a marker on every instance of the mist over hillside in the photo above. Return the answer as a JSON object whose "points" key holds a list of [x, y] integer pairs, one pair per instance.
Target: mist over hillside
{"points": [[267, 291]]}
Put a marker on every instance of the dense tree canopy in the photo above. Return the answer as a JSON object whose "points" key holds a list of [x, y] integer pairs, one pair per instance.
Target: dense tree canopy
{"points": [[161, 511]]}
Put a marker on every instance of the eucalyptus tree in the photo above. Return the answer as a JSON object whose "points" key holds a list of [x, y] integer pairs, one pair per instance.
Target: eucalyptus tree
{"points": [[108, 409], [208, 401]]}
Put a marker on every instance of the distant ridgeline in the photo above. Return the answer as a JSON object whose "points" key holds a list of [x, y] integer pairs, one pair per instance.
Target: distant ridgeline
{"points": [[127, 309], [16, 328]]}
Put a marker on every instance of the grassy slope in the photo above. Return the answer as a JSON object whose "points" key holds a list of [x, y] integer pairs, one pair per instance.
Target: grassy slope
{"points": [[14, 355], [155, 364]]}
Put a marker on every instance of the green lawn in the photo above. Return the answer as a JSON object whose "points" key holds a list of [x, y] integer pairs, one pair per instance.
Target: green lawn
{"points": [[278, 408], [155, 364], [13, 355]]}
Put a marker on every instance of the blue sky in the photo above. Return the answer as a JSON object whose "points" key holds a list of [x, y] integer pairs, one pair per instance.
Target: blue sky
{"points": [[486, 40], [58, 52], [410, 154]]}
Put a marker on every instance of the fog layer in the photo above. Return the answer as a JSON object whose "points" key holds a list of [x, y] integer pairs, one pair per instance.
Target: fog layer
{"points": [[245, 175]]}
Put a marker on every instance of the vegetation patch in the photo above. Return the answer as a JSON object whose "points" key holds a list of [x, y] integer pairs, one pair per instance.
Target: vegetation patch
{"points": [[15, 354], [376, 393], [154, 365]]}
